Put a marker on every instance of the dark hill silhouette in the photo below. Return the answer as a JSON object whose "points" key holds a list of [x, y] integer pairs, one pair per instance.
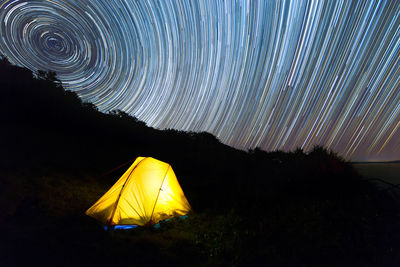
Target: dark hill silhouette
{"points": [[48, 127], [291, 208]]}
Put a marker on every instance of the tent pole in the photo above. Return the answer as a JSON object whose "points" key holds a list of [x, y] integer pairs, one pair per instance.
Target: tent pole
{"points": [[155, 203], [120, 193]]}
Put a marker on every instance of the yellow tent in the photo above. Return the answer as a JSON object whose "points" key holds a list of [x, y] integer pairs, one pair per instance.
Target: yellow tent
{"points": [[146, 193]]}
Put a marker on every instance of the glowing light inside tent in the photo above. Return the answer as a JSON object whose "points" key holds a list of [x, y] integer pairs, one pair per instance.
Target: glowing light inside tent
{"points": [[148, 192]]}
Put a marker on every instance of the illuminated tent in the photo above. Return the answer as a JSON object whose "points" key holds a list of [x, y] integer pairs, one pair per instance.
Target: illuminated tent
{"points": [[146, 193]]}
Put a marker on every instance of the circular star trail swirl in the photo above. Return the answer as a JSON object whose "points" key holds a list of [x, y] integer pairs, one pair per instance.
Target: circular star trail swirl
{"points": [[268, 74]]}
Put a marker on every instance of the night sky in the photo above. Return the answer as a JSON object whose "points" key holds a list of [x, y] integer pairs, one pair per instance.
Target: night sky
{"points": [[268, 74]]}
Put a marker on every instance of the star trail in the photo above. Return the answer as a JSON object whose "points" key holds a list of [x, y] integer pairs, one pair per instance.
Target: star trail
{"points": [[269, 74]]}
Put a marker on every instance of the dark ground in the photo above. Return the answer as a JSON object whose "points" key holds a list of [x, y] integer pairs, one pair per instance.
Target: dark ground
{"points": [[250, 208]]}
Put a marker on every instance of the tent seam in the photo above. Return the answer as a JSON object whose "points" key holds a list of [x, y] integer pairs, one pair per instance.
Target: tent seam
{"points": [[122, 189], [159, 190]]}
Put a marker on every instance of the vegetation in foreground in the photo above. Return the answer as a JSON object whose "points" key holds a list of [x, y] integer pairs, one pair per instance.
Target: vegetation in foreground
{"points": [[251, 208]]}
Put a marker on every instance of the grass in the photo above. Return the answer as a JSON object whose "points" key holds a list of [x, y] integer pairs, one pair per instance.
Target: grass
{"points": [[43, 218]]}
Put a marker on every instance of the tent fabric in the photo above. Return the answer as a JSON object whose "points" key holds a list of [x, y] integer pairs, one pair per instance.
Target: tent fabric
{"points": [[146, 193]]}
